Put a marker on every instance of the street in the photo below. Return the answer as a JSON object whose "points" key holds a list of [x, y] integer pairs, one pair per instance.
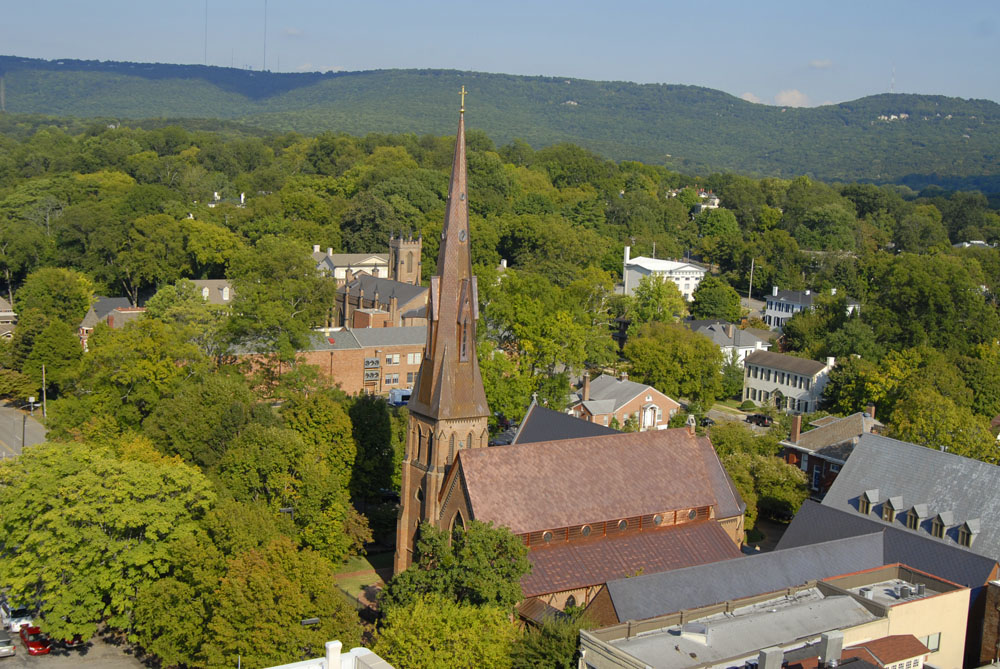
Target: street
{"points": [[97, 654], [12, 421]]}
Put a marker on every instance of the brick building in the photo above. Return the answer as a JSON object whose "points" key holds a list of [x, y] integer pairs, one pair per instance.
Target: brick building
{"points": [[368, 360], [607, 399]]}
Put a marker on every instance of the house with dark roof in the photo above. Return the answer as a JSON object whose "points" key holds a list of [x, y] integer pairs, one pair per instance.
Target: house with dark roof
{"points": [[607, 399], [788, 382], [543, 424], [734, 343], [113, 311], [822, 451], [783, 304], [597, 508], [215, 291]]}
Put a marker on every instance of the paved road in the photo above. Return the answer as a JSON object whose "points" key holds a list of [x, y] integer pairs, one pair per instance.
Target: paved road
{"points": [[96, 654], [12, 420]]}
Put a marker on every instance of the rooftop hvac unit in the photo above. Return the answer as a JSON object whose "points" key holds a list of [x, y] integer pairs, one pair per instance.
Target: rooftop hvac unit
{"points": [[867, 593], [904, 592]]}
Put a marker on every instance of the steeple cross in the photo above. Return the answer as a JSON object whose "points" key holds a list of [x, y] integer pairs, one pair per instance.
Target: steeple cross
{"points": [[463, 91]]}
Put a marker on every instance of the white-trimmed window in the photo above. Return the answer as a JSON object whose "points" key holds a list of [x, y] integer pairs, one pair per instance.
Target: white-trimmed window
{"points": [[413, 358], [392, 359]]}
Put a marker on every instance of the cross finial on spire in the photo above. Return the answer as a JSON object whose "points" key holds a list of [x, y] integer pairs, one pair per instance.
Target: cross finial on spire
{"points": [[463, 91]]}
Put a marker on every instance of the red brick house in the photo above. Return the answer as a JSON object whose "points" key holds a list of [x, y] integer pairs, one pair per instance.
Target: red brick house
{"points": [[606, 399]]}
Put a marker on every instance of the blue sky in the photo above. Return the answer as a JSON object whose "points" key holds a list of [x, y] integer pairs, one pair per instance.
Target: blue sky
{"points": [[802, 52]]}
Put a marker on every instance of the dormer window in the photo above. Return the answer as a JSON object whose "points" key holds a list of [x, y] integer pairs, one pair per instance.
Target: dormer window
{"points": [[225, 293], [204, 293], [890, 508], [912, 521], [867, 499], [937, 527], [968, 531]]}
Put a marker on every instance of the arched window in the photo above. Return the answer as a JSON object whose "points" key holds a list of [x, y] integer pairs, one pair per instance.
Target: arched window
{"points": [[409, 262], [570, 601], [204, 293], [457, 524], [225, 293], [468, 441], [430, 448], [451, 448]]}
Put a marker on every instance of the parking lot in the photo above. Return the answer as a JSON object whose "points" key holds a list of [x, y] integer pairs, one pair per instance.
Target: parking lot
{"points": [[97, 654]]}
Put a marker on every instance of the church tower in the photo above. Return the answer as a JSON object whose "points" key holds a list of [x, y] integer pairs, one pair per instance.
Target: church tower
{"points": [[404, 259], [448, 410]]}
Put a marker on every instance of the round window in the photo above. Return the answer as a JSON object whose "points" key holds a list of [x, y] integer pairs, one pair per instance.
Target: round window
{"points": [[585, 530], [692, 514], [622, 524], [657, 519], [546, 536]]}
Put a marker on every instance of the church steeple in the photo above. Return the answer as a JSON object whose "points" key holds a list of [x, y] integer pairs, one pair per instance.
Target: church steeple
{"points": [[448, 410]]}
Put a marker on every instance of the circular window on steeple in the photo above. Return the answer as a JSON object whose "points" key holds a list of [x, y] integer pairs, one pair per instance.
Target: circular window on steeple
{"points": [[461, 235], [623, 525], [657, 520], [546, 536], [585, 530], [692, 514]]}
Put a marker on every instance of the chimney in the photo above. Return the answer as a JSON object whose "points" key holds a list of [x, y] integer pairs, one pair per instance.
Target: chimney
{"points": [[831, 645], [586, 386], [393, 308], [691, 423], [870, 409], [774, 291], [243, 198], [831, 361], [770, 658], [808, 292], [333, 654], [624, 376], [730, 330], [329, 250], [833, 291], [628, 253], [796, 429], [315, 248], [349, 275], [503, 263]]}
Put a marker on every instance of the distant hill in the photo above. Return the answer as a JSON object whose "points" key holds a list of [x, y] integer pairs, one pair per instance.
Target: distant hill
{"points": [[913, 139]]}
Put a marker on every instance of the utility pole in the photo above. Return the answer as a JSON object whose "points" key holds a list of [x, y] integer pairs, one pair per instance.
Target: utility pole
{"points": [[750, 288], [44, 400]]}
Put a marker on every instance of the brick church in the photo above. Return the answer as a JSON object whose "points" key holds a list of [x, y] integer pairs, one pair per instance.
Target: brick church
{"points": [[590, 508]]}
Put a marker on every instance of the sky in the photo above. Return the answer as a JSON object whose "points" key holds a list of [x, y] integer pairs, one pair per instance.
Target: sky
{"points": [[789, 53]]}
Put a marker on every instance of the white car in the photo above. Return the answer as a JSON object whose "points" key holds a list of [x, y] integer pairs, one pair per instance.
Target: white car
{"points": [[14, 618], [7, 647]]}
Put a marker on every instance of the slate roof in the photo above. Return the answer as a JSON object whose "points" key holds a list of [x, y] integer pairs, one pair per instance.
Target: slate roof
{"points": [[787, 363], [553, 484], [946, 483], [215, 287], [356, 338], [608, 394], [817, 523], [101, 307], [386, 288], [835, 439], [543, 424], [719, 334], [579, 564], [652, 595]]}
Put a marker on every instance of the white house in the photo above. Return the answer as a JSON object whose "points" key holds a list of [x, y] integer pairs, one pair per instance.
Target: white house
{"points": [[793, 384], [730, 339], [783, 304], [337, 265], [687, 275]]}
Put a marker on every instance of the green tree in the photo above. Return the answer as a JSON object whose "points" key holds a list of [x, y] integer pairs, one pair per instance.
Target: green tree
{"points": [[676, 361], [656, 299], [433, 631], [552, 645], [84, 527], [152, 253], [480, 565], [279, 298], [260, 601], [59, 293], [181, 304], [714, 298], [374, 464], [57, 348], [925, 417]]}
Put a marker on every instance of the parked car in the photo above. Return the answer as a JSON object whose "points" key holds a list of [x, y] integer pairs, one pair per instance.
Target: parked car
{"points": [[7, 647], [707, 422], [36, 642], [759, 419], [13, 617], [76, 642]]}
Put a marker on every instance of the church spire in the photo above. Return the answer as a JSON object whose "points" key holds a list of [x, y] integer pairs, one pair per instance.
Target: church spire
{"points": [[448, 410], [449, 384]]}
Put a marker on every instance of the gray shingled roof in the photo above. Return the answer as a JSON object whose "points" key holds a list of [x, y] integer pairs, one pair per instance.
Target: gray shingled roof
{"points": [[787, 363], [948, 484], [606, 387], [385, 288], [816, 523], [835, 439], [648, 596], [347, 338], [101, 308], [542, 424], [719, 334]]}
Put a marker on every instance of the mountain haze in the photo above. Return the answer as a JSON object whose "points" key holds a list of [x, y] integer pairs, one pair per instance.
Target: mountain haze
{"points": [[920, 139]]}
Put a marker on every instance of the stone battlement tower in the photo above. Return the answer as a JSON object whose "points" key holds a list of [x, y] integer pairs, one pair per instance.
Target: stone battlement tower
{"points": [[404, 259]]}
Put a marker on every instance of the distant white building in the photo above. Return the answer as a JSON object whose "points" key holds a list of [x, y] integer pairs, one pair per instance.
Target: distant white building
{"points": [[783, 304], [686, 275]]}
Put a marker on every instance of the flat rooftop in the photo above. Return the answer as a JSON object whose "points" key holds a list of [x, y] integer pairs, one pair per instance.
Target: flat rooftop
{"points": [[892, 591], [728, 638]]}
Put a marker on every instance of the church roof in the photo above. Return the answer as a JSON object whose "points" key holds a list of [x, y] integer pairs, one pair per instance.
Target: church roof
{"points": [[542, 424], [554, 484], [579, 564], [385, 288]]}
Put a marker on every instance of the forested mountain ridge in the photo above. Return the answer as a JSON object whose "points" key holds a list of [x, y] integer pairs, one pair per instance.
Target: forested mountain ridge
{"points": [[912, 139]]}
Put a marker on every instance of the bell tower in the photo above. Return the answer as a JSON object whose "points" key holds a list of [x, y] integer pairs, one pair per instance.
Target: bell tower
{"points": [[404, 259], [448, 410]]}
